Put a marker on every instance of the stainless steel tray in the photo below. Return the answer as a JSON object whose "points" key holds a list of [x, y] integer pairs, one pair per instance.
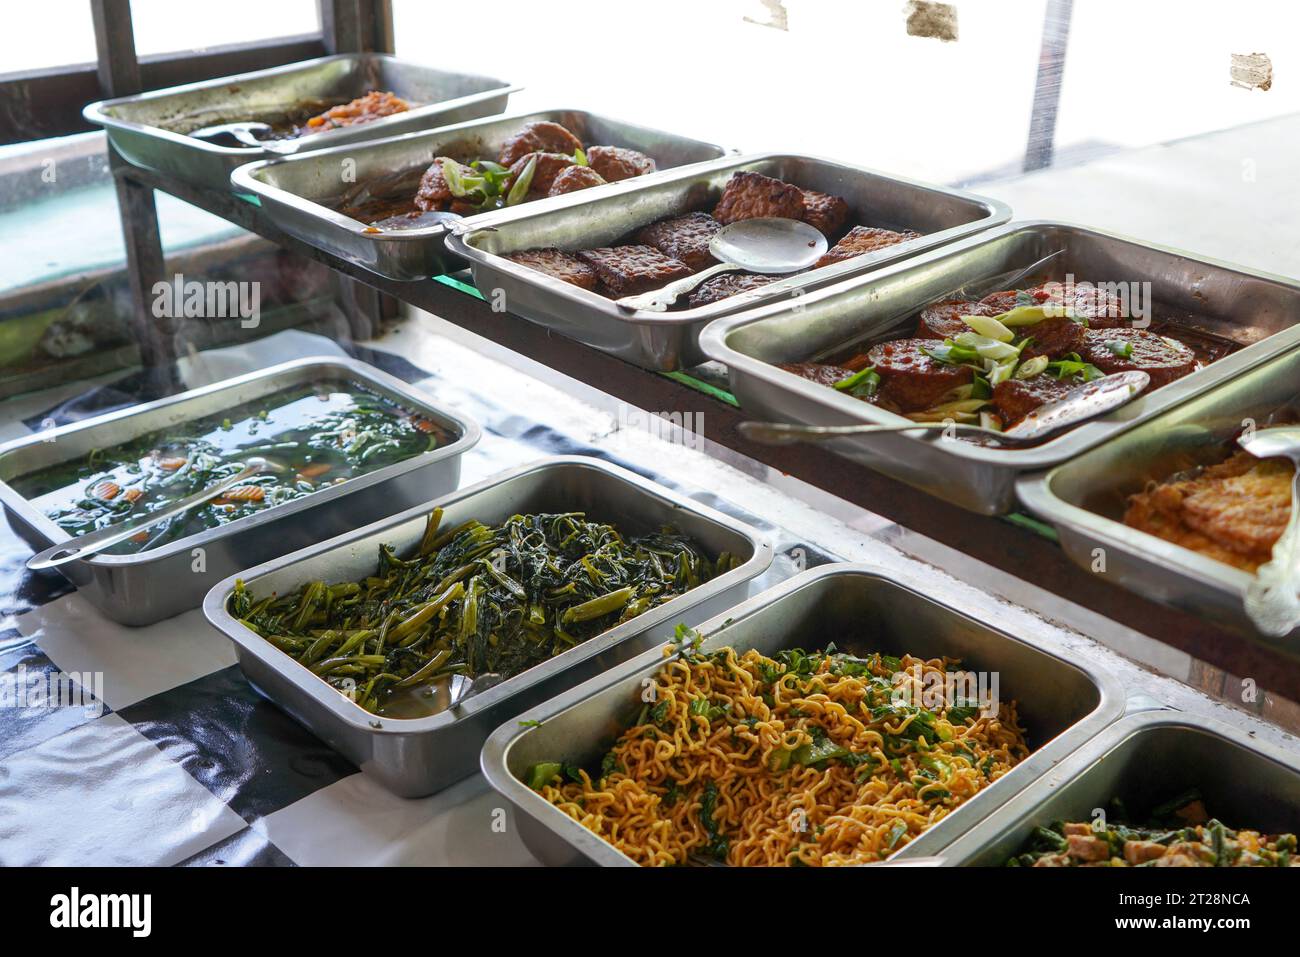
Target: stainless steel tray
{"points": [[301, 195], [1085, 498], [1145, 759], [1062, 703], [150, 129], [667, 341], [1252, 307], [414, 757], [142, 588]]}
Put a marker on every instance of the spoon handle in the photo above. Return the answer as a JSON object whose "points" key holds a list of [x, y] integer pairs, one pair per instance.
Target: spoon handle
{"points": [[783, 433], [94, 542], [1271, 600], [658, 300]]}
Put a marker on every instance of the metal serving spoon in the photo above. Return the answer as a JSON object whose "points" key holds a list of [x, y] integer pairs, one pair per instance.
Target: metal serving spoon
{"points": [[769, 245], [1085, 402], [1271, 599], [244, 131], [97, 541]]}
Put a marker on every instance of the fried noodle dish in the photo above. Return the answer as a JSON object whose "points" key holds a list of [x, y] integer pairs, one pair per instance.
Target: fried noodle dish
{"points": [[798, 760]]}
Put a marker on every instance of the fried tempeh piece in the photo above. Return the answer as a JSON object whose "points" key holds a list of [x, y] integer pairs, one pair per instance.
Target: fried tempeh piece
{"points": [[627, 270]]}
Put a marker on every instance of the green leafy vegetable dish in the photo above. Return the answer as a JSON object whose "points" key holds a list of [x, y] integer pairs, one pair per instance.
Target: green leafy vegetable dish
{"points": [[321, 434], [474, 605]]}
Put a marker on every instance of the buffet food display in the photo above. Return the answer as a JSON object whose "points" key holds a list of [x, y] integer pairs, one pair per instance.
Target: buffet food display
{"points": [[678, 246], [735, 745], [1177, 833], [804, 759], [540, 159], [354, 444], [333, 100], [900, 348], [395, 212], [318, 436], [474, 602], [425, 631], [404, 643], [1233, 511], [560, 265], [995, 360]]}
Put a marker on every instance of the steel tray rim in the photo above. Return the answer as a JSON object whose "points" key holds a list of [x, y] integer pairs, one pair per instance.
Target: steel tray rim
{"points": [[248, 178], [1034, 490], [975, 839], [460, 243], [1110, 708], [248, 642], [714, 342], [470, 433], [98, 111]]}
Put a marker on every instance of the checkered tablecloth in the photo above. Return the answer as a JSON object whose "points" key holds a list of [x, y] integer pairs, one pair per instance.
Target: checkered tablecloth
{"points": [[175, 759]]}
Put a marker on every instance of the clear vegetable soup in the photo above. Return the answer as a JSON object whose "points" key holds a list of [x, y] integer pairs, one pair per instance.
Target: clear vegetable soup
{"points": [[320, 435]]}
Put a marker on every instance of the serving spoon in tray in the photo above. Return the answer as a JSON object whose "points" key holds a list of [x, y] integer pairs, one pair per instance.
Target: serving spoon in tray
{"points": [[769, 245], [1271, 599], [1078, 405], [94, 542]]}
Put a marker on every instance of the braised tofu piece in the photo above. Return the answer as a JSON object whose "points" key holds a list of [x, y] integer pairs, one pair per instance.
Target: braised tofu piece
{"points": [[683, 237], [1087, 848], [573, 178], [628, 270], [1122, 350], [943, 319], [750, 195], [1083, 301], [1016, 398], [861, 240], [817, 372], [615, 163], [559, 264], [549, 166], [434, 193], [727, 285], [540, 137], [1139, 852], [825, 212], [911, 380], [1053, 337]]}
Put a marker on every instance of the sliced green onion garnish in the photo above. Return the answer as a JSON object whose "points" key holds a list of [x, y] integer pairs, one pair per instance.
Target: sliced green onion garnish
{"points": [[1023, 316], [861, 384], [989, 327], [1032, 367], [521, 186]]}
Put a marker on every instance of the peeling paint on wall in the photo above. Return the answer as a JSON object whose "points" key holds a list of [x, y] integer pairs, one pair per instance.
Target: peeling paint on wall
{"points": [[1252, 71], [928, 19]]}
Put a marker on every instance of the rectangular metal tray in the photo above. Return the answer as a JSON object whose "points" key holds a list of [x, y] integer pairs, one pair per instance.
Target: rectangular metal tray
{"points": [[1249, 306], [668, 341], [143, 588], [1144, 759], [149, 129], [417, 756], [1062, 703], [1085, 498], [301, 195]]}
